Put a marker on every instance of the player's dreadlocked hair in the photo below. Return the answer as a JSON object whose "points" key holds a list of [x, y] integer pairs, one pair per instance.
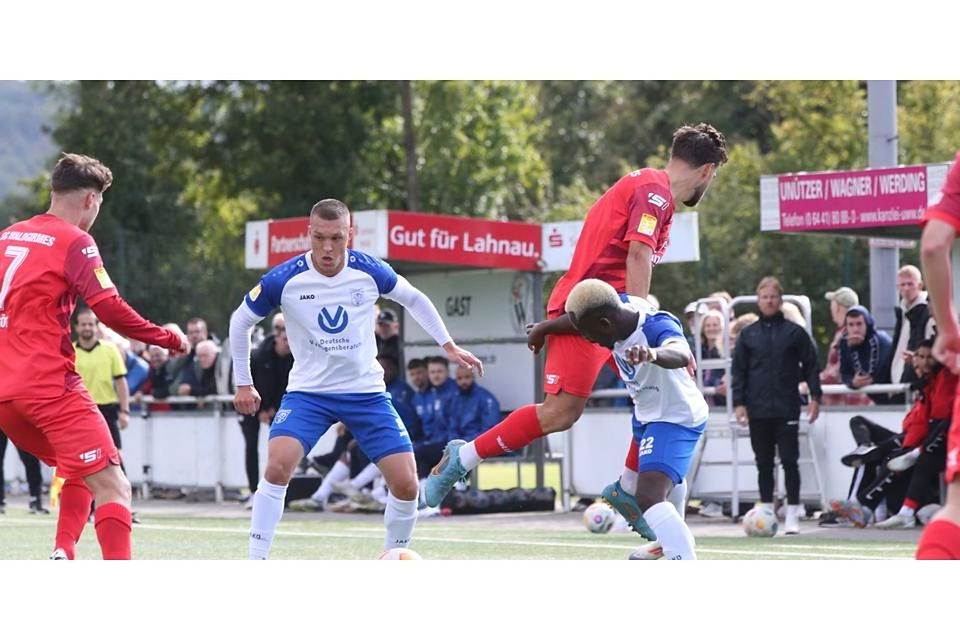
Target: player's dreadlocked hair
{"points": [[699, 145], [590, 295]]}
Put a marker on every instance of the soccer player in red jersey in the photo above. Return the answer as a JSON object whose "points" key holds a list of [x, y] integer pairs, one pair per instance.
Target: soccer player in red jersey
{"points": [[625, 233], [45, 263], [941, 225]]}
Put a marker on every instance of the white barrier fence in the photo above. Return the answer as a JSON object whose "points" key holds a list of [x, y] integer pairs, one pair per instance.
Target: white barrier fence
{"points": [[201, 448], [205, 448]]}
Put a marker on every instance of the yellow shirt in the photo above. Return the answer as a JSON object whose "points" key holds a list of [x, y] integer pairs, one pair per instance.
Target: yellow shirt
{"points": [[99, 367]]}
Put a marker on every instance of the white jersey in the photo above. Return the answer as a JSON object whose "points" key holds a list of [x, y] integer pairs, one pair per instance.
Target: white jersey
{"points": [[659, 395], [330, 321]]}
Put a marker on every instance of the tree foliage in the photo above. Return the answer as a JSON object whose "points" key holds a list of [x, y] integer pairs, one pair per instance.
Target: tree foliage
{"points": [[194, 161]]}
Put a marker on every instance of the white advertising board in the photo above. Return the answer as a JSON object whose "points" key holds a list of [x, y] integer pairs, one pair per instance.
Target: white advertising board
{"points": [[560, 239], [476, 305]]}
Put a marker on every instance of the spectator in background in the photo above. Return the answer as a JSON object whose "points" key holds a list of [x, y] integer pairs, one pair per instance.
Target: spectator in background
{"points": [[874, 483], [138, 370], [793, 314], [196, 333], [401, 395], [840, 301], [738, 324], [207, 375], [726, 298], [388, 334], [865, 354], [104, 375], [914, 323], [31, 466], [417, 375], [160, 379], [771, 358], [270, 365], [473, 409], [431, 406], [712, 348]]}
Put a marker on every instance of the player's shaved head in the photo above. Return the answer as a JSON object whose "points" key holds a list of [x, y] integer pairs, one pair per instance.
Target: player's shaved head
{"points": [[75, 172], [330, 209]]}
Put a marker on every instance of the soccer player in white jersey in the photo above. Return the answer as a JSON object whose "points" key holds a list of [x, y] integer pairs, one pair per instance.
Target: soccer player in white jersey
{"points": [[669, 411], [328, 297]]}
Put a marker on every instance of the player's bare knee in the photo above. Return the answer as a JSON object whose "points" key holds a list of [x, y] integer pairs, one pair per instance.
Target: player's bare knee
{"points": [[405, 489], [277, 473]]}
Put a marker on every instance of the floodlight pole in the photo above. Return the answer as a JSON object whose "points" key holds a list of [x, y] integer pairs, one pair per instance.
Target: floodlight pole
{"points": [[882, 152]]}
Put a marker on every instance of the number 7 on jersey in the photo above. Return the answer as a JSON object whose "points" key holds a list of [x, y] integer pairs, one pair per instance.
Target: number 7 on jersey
{"points": [[19, 254]]}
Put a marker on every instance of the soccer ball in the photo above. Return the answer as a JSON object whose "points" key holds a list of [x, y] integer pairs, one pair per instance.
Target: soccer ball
{"points": [[760, 522], [599, 517], [400, 553]]}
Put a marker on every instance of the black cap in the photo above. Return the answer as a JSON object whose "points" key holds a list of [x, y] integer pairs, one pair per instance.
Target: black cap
{"points": [[387, 315]]}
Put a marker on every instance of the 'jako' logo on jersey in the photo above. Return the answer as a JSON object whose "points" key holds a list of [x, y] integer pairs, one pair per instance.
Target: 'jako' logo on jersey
{"points": [[332, 323]]}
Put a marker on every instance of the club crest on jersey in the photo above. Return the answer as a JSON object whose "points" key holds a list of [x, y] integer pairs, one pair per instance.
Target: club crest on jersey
{"points": [[281, 416], [628, 369], [648, 224], [333, 322], [103, 278], [356, 296]]}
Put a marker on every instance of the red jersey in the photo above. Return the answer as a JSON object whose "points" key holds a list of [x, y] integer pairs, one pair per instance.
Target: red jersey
{"points": [[639, 207], [946, 206], [45, 263]]}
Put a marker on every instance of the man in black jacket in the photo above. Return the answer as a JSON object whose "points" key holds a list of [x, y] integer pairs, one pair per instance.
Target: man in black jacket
{"points": [[770, 360], [914, 323], [270, 365]]}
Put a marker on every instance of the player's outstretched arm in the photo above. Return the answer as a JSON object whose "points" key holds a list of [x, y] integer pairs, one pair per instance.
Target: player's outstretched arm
{"points": [[537, 333], [119, 316], [426, 315], [672, 355], [246, 400]]}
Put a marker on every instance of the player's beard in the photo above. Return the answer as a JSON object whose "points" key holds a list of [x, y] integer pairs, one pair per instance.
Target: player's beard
{"points": [[698, 192]]}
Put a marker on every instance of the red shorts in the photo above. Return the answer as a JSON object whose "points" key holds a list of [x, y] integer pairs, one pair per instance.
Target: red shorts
{"points": [[68, 432], [573, 364]]}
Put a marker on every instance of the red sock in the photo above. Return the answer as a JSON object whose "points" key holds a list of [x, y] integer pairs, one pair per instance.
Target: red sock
{"points": [[633, 456], [517, 430], [113, 522], [75, 501], [940, 541], [910, 504]]}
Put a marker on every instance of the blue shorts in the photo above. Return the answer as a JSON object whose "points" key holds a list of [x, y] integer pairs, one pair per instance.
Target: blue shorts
{"points": [[370, 417], [666, 447]]}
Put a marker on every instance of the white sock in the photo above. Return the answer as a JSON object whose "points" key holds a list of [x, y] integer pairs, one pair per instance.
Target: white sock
{"points": [[399, 517], [628, 481], [267, 511], [678, 498], [906, 512], [671, 531], [367, 475], [469, 457], [338, 472]]}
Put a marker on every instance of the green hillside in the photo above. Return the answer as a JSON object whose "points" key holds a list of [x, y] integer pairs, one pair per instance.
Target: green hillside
{"points": [[24, 147]]}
